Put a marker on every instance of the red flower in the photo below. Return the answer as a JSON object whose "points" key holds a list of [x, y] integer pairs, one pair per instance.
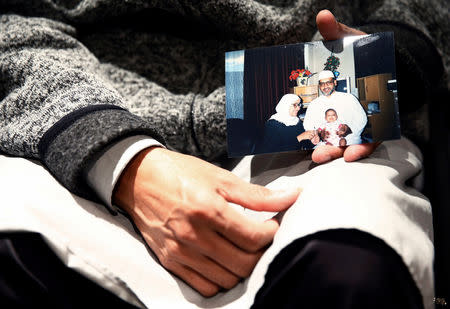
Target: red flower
{"points": [[299, 73]]}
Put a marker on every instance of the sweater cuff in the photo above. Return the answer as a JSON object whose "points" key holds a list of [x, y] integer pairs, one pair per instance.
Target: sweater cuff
{"points": [[105, 172], [71, 146]]}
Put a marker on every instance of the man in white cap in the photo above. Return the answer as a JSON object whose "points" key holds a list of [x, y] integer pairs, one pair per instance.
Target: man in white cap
{"points": [[346, 105]]}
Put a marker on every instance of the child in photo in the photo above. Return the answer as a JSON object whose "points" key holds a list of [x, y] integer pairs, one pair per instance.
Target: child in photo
{"points": [[332, 131]]}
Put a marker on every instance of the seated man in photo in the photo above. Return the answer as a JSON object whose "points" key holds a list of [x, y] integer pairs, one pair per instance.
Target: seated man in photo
{"points": [[346, 106]]}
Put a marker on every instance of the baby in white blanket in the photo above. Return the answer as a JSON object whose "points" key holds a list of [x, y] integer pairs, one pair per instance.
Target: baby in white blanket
{"points": [[332, 131]]}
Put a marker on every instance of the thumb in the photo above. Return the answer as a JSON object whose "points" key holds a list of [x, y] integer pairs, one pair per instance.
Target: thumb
{"points": [[259, 198], [331, 29]]}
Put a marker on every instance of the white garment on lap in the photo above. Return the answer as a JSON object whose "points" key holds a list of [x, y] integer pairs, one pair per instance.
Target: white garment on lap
{"points": [[369, 195]]}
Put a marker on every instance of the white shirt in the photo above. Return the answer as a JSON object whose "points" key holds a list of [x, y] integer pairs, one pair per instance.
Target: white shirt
{"points": [[348, 110], [104, 174]]}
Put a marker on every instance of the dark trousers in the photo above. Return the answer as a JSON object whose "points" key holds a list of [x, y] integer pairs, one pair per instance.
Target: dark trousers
{"points": [[333, 269], [338, 269], [32, 276]]}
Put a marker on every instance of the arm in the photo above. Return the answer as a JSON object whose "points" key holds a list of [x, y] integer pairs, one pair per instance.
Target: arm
{"points": [[55, 107], [359, 119], [344, 130], [313, 118], [356, 118], [310, 124], [307, 135], [180, 205], [103, 175]]}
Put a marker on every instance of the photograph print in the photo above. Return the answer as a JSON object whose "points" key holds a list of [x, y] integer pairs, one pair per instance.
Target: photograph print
{"points": [[300, 96]]}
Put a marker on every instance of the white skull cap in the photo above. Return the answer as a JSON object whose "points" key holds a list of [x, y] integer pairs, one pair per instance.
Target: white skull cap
{"points": [[325, 74]]}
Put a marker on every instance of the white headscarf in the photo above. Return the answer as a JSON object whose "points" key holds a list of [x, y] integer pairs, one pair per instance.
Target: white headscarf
{"points": [[282, 110]]}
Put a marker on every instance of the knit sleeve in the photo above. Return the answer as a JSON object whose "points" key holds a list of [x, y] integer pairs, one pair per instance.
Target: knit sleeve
{"points": [[54, 106]]}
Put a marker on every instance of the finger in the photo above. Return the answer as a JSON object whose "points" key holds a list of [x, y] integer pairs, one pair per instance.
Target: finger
{"points": [[257, 197], [356, 152], [221, 252], [193, 279], [203, 234], [249, 235], [327, 153], [193, 258], [331, 29]]}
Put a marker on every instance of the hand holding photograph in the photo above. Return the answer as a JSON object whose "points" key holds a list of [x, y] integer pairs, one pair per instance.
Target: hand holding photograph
{"points": [[300, 96]]}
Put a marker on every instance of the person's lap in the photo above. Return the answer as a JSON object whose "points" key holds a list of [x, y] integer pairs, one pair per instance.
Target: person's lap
{"points": [[341, 269], [369, 195], [33, 276]]}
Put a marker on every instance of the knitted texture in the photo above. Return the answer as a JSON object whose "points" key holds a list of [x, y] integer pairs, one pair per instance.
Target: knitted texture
{"points": [[77, 143]]}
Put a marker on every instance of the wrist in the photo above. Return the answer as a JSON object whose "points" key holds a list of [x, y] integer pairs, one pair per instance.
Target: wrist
{"points": [[124, 190]]}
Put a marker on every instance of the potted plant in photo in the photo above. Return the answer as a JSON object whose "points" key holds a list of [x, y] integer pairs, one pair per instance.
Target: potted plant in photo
{"points": [[301, 76]]}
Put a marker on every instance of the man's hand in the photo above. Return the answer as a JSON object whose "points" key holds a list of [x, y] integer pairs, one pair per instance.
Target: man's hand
{"points": [[180, 205], [343, 130], [333, 30]]}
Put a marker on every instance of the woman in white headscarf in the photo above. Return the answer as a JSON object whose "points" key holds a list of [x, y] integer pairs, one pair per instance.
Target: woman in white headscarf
{"points": [[283, 128]]}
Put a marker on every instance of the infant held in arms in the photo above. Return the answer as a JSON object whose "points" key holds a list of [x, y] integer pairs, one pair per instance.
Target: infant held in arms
{"points": [[332, 131]]}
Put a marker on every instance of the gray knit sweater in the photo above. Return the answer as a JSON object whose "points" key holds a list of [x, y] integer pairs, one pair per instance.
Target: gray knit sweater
{"points": [[77, 76]]}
